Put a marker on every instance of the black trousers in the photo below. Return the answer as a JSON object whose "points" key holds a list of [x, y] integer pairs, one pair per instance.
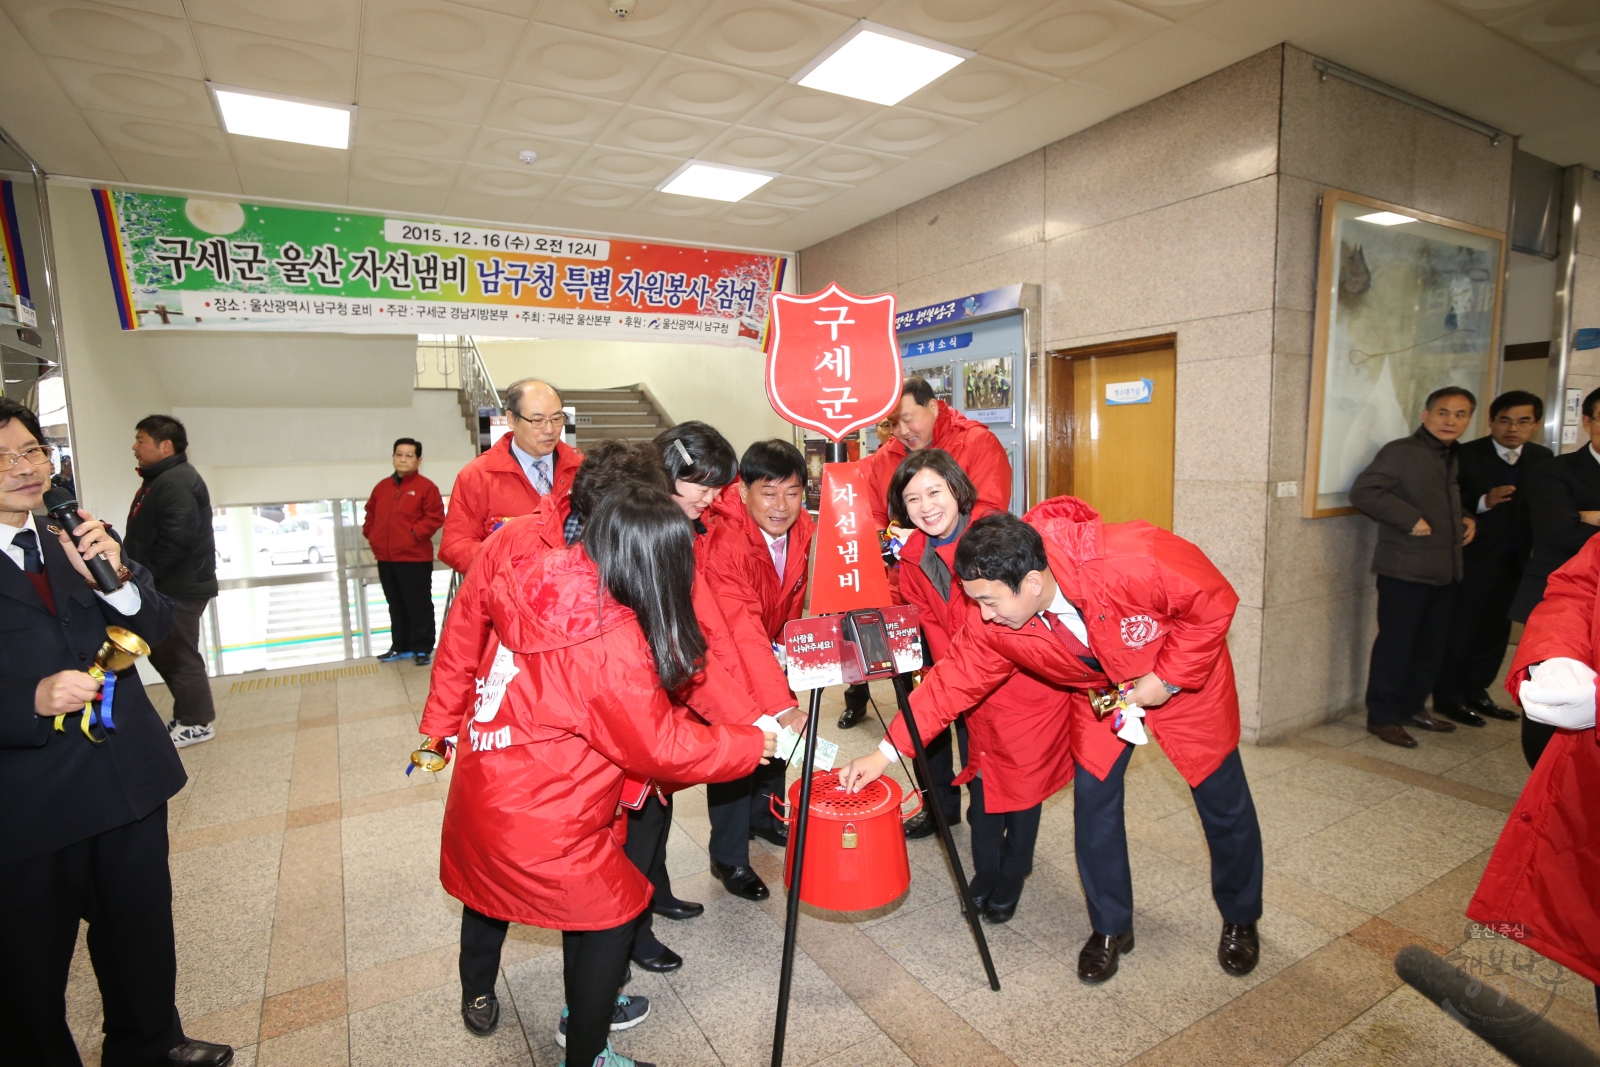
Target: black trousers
{"points": [[1479, 630], [647, 848], [1002, 847], [179, 662], [1227, 813], [119, 884], [408, 587], [1535, 736], [740, 806], [1413, 634], [593, 962], [479, 964], [942, 765]]}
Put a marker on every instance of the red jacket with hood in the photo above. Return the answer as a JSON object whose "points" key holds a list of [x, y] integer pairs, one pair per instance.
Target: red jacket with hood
{"points": [[529, 826], [1151, 601], [974, 447], [402, 517], [1546, 864], [492, 489], [738, 565]]}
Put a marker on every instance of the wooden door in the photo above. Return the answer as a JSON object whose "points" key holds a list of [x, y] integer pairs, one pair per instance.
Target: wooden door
{"points": [[1110, 433]]}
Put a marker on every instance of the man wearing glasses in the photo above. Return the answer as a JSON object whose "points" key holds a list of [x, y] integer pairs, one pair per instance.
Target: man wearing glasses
{"points": [[1491, 469], [513, 475]]}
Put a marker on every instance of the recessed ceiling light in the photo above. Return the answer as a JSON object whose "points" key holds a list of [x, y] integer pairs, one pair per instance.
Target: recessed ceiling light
{"points": [[715, 181], [1385, 218], [282, 118], [879, 63]]}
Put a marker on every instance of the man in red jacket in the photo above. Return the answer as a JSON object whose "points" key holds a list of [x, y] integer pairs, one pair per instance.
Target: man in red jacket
{"points": [[403, 513], [510, 478], [1080, 604], [756, 564]]}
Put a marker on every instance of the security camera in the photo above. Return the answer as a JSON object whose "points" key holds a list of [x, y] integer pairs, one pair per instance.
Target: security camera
{"points": [[621, 8]]}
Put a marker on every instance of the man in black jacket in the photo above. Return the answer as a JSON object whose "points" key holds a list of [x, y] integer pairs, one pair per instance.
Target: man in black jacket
{"points": [[1410, 488], [83, 808], [170, 532], [1492, 469]]}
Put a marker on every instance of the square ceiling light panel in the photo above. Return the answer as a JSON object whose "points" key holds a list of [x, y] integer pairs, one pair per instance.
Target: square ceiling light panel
{"points": [[879, 64], [1386, 218], [715, 181], [251, 113]]}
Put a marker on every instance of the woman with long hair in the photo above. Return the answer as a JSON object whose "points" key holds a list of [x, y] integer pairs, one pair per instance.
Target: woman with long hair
{"points": [[1018, 749], [592, 640]]}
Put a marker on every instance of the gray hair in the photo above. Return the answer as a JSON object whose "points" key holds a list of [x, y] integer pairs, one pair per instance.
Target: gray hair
{"points": [[515, 390]]}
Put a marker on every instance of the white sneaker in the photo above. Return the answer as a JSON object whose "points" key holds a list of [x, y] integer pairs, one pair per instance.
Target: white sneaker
{"points": [[184, 736]]}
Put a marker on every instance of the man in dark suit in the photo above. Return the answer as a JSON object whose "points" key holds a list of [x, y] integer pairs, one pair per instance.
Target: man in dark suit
{"points": [[83, 810], [1491, 469], [1564, 508]]}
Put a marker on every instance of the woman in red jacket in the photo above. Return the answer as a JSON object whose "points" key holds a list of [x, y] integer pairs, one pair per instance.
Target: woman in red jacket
{"points": [[593, 638], [1019, 751]]}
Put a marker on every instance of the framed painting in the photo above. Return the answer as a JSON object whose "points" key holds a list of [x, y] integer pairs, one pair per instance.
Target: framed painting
{"points": [[1407, 302]]}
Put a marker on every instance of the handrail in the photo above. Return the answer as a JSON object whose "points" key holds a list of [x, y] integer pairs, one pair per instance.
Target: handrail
{"points": [[475, 380]]}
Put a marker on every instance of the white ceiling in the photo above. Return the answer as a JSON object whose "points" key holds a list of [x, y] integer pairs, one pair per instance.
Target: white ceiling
{"points": [[450, 93]]}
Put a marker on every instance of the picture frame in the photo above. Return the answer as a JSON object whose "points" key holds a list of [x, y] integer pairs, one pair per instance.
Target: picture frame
{"points": [[1406, 302]]}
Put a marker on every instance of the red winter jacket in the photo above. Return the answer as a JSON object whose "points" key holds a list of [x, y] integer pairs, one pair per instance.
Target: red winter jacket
{"points": [[1151, 602], [1021, 734], [492, 489], [974, 447], [402, 518], [1540, 881], [530, 824], [739, 567]]}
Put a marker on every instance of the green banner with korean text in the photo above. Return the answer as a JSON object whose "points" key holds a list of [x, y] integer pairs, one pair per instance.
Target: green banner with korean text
{"points": [[182, 262]]}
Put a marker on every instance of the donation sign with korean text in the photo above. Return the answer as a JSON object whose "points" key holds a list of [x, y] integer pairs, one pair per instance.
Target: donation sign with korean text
{"points": [[833, 365], [183, 263], [849, 571]]}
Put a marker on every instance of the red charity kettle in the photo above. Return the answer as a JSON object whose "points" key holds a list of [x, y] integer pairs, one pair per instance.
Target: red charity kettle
{"points": [[855, 844]]}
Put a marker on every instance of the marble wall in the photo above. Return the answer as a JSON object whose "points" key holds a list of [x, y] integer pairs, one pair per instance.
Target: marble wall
{"points": [[1196, 214]]}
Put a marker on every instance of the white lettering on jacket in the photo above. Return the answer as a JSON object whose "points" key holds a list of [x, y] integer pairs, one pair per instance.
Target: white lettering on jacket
{"points": [[490, 740], [492, 690]]}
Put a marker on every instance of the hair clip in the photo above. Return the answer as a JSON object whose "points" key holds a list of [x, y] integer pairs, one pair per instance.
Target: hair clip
{"points": [[684, 452]]}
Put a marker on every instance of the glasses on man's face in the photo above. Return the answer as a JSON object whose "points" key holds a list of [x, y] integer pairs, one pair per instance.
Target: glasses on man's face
{"points": [[543, 422], [38, 455], [1521, 424]]}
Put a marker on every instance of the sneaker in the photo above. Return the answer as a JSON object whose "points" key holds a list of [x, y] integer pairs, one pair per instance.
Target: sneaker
{"points": [[393, 656], [612, 1058], [184, 736], [630, 1012], [422, 659]]}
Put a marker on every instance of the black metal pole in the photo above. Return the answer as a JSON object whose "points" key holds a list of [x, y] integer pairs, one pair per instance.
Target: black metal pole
{"points": [[935, 811], [797, 849]]}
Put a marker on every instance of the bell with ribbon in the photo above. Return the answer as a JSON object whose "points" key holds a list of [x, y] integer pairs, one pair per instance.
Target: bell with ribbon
{"points": [[434, 755], [118, 652]]}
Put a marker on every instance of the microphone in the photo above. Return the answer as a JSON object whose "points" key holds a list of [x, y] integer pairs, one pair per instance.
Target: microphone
{"points": [[64, 509]]}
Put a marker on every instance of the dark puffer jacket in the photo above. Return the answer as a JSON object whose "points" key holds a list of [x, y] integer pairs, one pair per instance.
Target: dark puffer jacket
{"points": [[1410, 479], [169, 530]]}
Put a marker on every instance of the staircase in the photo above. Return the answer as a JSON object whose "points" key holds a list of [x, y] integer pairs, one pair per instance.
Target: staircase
{"points": [[447, 361], [629, 412]]}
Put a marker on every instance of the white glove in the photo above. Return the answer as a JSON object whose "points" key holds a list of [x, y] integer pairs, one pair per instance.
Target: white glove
{"points": [[1129, 724], [1560, 692]]}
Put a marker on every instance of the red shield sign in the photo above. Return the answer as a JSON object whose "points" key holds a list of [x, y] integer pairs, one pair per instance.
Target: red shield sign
{"points": [[834, 365]]}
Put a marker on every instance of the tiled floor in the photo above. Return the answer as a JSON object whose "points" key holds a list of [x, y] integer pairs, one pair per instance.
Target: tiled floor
{"points": [[312, 929]]}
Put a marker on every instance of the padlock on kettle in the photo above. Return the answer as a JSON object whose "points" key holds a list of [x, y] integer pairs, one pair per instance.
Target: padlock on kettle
{"points": [[855, 843]]}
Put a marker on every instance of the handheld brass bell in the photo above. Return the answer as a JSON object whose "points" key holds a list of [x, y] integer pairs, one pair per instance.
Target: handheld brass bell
{"points": [[434, 755], [117, 653]]}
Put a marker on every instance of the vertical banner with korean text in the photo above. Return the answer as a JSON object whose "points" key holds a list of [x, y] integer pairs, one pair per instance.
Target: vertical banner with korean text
{"points": [[183, 262], [849, 572]]}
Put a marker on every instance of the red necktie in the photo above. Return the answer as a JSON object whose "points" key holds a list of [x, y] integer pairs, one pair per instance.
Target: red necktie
{"points": [[1070, 640]]}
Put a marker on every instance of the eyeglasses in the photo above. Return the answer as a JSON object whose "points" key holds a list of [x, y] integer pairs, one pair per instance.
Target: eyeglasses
{"points": [[38, 455], [542, 422], [1501, 420]]}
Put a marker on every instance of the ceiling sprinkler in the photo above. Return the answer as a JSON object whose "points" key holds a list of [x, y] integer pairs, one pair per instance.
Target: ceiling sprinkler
{"points": [[528, 155], [621, 8]]}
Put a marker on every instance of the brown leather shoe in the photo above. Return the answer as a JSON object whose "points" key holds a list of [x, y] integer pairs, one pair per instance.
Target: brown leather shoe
{"points": [[1098, 959], [1425, 721], [1395, 735]]}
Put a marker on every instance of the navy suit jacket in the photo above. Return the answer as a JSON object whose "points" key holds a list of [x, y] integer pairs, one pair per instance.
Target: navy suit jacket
{"points": [[60, 788]]}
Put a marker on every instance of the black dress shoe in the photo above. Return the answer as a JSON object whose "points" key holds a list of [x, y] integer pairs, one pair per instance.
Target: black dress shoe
{"points": [[777, 835], [920, 825], [995, 914], [855, 706], [194, 1053], [1484, 706], [481, 1014], [663, 963], [1461, 715], [678, 909], [979, 889], [1097, 961], [1423, 721], [1001, 903], [740, 881], [1239, 948]]}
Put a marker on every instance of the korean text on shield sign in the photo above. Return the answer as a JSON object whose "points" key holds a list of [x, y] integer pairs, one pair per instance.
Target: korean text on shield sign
{"points": [[848, 524], [837, 360]]}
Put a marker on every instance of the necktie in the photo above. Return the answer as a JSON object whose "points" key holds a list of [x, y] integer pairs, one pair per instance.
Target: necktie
{"points": [[1511, 457], [780, 554], [541, 477], [1063, 633], [28, 541]]}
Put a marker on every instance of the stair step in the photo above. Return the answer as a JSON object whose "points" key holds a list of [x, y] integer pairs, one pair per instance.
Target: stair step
{"points": [[620, 418], [587, 406], [631, 396]]}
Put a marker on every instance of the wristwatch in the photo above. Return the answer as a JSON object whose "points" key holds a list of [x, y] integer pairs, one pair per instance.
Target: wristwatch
{"points": [[1169, 687], [123, 574]]}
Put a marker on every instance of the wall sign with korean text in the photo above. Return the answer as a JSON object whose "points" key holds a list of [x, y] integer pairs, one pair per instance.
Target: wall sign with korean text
{"points": [[183, 263]]}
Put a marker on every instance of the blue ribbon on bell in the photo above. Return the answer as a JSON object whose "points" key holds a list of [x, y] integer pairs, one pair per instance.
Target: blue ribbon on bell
{"points": [[108, 691]]}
